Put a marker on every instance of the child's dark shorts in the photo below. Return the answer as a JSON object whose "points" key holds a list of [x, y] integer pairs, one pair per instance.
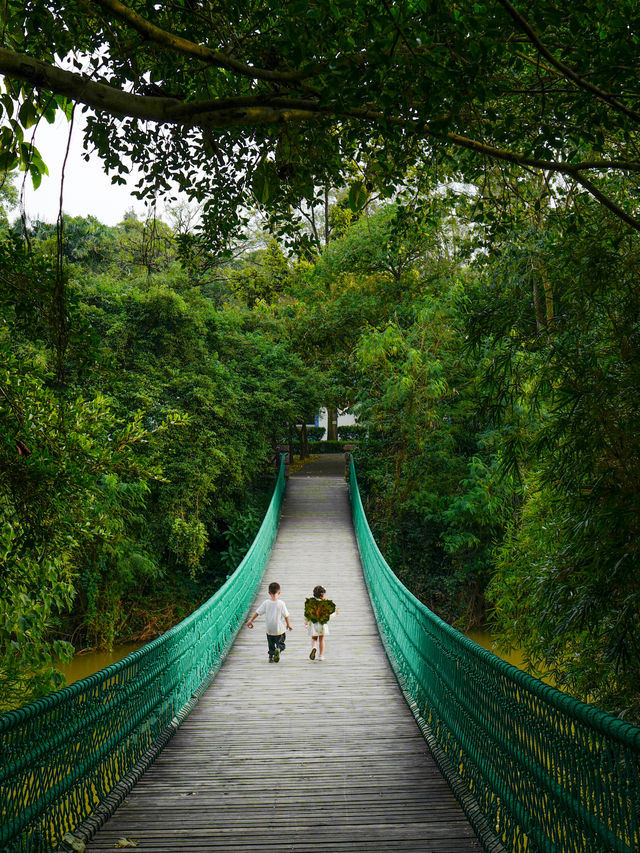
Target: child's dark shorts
{"points": [[275, 641]]}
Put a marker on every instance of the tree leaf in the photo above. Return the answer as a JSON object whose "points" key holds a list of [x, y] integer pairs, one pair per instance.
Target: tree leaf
{"points": [[358, 196]]}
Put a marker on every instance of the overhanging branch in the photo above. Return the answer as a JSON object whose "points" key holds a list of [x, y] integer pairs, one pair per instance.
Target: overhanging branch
{"points": [[253, 110], [196, 51], [219, 112], [568, 73], [605, 201], [256, 110]]}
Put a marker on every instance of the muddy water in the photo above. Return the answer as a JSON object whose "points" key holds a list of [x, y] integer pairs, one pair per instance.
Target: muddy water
{"points": [[86, 663], [484, 639]]}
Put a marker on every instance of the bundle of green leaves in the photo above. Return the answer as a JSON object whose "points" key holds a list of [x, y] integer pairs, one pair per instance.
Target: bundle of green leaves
{"points": [[318, 610]]}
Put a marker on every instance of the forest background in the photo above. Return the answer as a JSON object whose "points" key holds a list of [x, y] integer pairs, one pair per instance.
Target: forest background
{"points": [[479, 317]]}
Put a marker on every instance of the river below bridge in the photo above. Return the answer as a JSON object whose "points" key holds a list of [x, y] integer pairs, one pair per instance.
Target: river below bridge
{"points": [[86, 663]]}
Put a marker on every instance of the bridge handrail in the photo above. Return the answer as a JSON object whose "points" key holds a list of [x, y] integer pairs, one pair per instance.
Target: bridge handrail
{"points": [[66, 755], [535, 769]]}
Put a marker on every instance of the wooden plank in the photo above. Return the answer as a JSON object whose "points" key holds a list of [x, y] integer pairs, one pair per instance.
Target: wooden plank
{"points": [[301, 754]]}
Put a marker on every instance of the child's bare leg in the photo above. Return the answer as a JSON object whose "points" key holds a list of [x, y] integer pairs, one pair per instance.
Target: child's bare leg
{"points": [[321, 645], [314, 640]]}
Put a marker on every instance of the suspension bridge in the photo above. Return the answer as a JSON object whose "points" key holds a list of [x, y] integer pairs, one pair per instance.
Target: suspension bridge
{"points": [[407, 736]]}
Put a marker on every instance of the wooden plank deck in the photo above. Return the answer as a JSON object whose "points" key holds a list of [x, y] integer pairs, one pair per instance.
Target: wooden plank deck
{"points": [[301, 755]]}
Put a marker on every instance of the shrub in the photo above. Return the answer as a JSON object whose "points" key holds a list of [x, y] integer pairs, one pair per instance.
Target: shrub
{"points": [[315, 433], [352, 432]]}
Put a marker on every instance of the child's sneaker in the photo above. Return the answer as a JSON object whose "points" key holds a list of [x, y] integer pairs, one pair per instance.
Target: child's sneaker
{"points": [[312, 656], [276, 656], [321, 657]]}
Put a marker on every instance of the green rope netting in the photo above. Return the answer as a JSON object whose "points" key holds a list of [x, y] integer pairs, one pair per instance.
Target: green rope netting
{"points": [[535, 770], [67, 756]]}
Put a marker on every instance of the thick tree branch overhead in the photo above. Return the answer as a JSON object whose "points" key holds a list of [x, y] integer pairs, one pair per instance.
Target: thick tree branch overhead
{"points": [[223, 112], [195, 51], [273, 99], [564, 70]]}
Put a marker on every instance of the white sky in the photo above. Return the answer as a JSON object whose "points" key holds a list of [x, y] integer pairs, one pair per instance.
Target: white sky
{"points": [[88, 191]]}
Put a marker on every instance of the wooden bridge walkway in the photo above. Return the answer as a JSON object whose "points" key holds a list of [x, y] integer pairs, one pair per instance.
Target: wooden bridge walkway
{"points": [[301, 755]]}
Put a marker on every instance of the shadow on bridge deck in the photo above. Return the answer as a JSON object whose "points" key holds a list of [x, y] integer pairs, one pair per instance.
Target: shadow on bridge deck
{"points": [[301, 755], [324, 465]]}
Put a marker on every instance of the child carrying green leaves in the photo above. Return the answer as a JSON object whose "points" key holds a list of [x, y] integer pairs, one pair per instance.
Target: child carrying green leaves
{"points": [[317, 612]]}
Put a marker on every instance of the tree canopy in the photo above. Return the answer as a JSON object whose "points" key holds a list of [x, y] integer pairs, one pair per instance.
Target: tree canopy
{"points": [[271, 100]]}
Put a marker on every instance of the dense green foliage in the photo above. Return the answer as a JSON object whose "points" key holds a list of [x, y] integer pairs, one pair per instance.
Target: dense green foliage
{"points": [[134, 481], [494, 373], [495, 378], [566, 586]]}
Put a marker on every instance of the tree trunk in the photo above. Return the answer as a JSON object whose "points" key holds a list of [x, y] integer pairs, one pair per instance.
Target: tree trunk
{"points": [[542, 292], [548, 298], [538, 304], [332, 423], [326, 216]]}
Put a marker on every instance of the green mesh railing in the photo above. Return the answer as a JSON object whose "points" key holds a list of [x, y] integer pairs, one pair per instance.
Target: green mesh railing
{"points": [[66, 761], [535, 770]]}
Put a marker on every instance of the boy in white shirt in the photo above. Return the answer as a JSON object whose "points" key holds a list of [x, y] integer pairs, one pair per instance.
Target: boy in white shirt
{"points": [[276, 617]]}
